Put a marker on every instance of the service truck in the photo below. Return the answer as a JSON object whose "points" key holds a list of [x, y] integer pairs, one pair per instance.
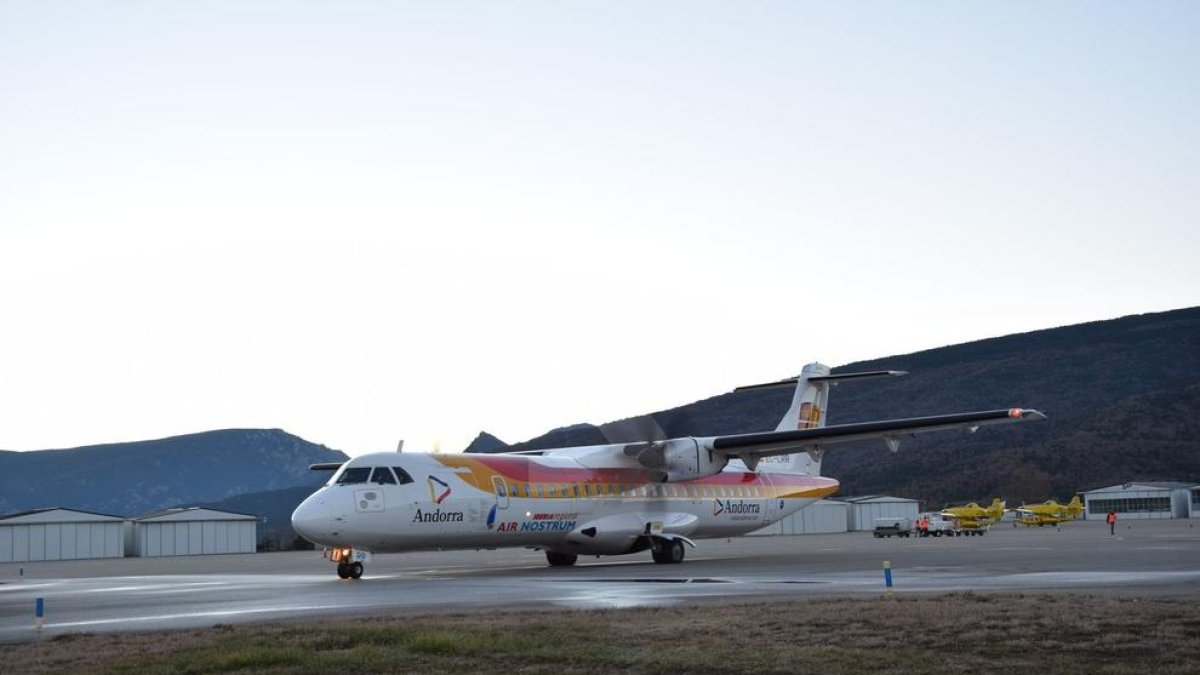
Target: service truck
{"points": [[886, 527]]}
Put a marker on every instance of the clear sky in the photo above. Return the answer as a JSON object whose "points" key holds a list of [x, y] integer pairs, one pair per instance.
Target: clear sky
{"points": [[366, 221]]}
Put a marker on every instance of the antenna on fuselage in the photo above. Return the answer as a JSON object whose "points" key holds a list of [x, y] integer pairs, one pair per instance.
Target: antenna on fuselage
{"points": [[400, 446]]}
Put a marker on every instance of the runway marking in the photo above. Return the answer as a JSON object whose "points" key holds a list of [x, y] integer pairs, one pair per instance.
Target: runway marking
{"points": [[191, 615]]}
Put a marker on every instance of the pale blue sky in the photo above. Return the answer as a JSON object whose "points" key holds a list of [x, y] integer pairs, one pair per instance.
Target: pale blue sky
{"points": [[361, 221]]}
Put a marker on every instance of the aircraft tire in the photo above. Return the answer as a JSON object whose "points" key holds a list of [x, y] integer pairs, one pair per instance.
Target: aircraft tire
{"points": [[560, 559], [668, 553], [342, 571], [355, 570]]}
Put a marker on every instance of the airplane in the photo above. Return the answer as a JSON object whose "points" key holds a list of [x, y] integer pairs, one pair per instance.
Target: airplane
{"points": [[973, 518], [602, 500], [1049, 512]]}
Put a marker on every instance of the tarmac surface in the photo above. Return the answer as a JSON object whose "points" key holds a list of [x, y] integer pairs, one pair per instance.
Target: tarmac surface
{"points": [[1145, 558]]}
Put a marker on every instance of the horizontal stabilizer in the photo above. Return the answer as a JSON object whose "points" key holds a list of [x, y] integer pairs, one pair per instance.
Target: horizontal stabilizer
{"points": [[791, 381]]}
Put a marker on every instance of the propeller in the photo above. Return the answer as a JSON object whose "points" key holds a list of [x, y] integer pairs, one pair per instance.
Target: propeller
{"points": [[645, 441]]}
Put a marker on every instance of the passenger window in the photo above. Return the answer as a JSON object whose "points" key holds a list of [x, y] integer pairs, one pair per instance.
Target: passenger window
{"points": [[354, 475], [402, 475], [383, 476]]}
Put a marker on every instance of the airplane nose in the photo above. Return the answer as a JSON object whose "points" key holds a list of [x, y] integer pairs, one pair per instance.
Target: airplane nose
{"points": [[311, 519]]}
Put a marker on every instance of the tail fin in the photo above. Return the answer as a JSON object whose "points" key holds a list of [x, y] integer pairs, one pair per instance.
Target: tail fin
{"points": [[807, 411], [1075, 507]]}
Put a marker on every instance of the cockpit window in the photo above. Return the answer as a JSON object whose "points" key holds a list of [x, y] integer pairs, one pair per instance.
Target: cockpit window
{"points": [[383, 476], [353, 475], [402, 475]]}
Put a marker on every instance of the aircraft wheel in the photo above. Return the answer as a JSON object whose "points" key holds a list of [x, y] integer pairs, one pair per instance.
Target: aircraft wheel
{"points": [[343, 571], [355, 570], [560, 559], [668, 553]]}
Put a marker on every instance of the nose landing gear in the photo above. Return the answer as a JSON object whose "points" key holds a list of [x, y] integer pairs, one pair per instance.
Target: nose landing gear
{"points": [[352, 570], [349, 562]]}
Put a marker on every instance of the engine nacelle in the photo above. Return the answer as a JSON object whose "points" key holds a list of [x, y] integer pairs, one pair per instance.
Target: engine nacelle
{"points": [[678, 459]]}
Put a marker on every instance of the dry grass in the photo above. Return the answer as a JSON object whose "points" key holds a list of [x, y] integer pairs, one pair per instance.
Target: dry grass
{"points": [[958, 633]]}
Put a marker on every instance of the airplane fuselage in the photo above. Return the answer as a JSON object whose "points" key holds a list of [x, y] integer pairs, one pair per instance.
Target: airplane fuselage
{"points": [[550, 503]]}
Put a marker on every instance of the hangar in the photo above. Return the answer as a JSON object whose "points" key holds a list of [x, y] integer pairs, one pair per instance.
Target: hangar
{"points": [[824, 516], [1142, 501], [190, 531], [864, 510], [59, 534]]}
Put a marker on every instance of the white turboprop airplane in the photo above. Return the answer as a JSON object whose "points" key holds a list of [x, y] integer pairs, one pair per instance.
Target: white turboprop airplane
{"points": [[601, 499]]}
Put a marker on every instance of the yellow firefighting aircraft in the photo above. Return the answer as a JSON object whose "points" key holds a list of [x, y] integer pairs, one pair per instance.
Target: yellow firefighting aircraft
{"points": [[1049, 512], [974, 518]]}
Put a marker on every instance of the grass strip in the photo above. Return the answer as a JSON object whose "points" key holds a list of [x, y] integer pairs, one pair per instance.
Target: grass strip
{"points": [[954, 633]]}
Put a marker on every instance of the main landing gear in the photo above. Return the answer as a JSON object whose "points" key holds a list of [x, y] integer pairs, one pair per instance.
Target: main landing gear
{"points": [[666, 552], [560, 559]]}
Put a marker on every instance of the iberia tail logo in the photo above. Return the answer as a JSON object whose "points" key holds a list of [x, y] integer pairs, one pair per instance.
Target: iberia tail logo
{"points": [[438, 490], [810, 416]]}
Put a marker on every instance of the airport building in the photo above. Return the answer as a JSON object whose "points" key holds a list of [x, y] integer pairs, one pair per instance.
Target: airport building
{"points": [[59, 534], [1143, 501], [825, 516], [864, 510], [190, 531]]}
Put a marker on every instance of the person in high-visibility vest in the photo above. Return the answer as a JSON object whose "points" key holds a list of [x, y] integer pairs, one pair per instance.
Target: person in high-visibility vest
{"points": [[1112, 522]]}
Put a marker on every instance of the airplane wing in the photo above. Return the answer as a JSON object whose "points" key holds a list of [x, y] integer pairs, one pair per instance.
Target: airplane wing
{"points": [[891, 431]]}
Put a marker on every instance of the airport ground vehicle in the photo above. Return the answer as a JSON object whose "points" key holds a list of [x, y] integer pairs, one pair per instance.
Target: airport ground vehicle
{"points": [[935, 525], [887, 527]]}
